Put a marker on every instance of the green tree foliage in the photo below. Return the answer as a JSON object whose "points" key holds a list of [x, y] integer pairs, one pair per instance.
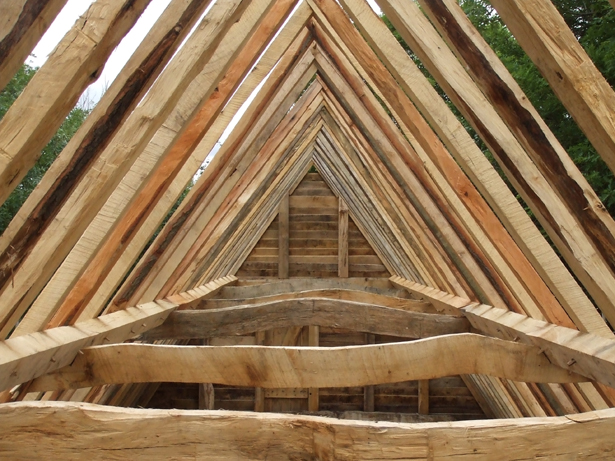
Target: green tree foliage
{"points": [[593, 23], [49, 153]]}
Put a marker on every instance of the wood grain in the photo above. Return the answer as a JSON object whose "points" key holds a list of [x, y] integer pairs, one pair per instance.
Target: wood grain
{"points": [[300, 367]]}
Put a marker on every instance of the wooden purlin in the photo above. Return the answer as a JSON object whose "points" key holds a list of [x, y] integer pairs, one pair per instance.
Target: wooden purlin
{"points": [[101, 179], [412, 122], [29, 356], [306, 310], [474, 163], [578, 248], [444, 300]]}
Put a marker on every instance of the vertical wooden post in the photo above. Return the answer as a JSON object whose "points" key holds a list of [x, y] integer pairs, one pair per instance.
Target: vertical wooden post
{"points": [[342, 244], [206, 396], [424, 397], [206, 392], [259, 392], [283, 235], [313, 341], [368, 391]]}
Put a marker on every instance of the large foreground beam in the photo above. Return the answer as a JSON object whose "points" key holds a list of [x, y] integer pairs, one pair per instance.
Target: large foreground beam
{"points": [[76, 430], [293, 367], [25, 357], [351, 315]]}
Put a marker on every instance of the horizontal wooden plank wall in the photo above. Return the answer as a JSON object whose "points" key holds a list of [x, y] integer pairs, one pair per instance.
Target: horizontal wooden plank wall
{"points": [[313, 249]]}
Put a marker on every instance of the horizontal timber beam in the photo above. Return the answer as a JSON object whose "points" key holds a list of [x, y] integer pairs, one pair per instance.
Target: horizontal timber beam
{"points": [[589, 355], [332, 293], [26, 357], [286, 367], [351, 315], [67, 430]]}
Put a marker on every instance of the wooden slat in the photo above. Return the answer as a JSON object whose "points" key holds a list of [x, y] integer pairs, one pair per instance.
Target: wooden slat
{"points": [[351, 315], [292, 367], [424, 397], [93, 431], [313, 393]]}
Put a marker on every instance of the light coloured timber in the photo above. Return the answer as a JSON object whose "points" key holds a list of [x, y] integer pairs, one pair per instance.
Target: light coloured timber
{"points": [[75, 63], [333, 293], [279, 172], [420, 200], [283, 230], [100, 180], [583, 353], [25, 357], [175, 253], [579, 85], [300, 367], [257, 24], [575, 245], [279, 153], [474, 163], [351, 315], [23, 24], [342, 240], [278, 48], [84, 430], [28, 356], [116, 103], [411, 121]]}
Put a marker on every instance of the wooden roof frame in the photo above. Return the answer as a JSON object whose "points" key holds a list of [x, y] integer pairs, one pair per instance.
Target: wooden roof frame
{"points": [[436, 212]]}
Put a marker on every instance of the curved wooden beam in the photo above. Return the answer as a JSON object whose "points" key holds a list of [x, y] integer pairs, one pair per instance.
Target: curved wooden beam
{"points": [[25, 357], [279, 286], [292, 367], [345, 294], [65, 430], [324, 312]]}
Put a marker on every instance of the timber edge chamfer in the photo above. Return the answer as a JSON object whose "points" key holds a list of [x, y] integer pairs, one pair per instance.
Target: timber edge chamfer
{"points": [[348, 250]]}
